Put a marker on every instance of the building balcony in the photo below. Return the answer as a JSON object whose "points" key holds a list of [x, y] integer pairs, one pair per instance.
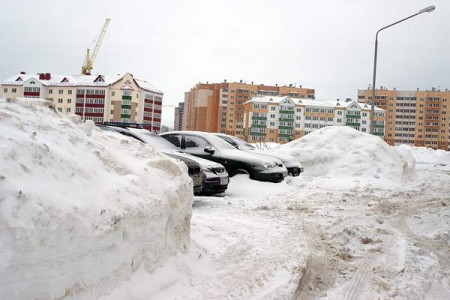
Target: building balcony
{"points": [[353, 116], [378, 126], [125, 106], [257, 133], [259, 118], [378, 133], [353, 124], [258, 126], [286, 111], [124, 116], [286, 120], [286, 127]]}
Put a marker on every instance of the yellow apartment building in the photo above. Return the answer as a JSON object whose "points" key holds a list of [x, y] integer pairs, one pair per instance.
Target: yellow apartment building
{"points": [[219, 107], [417, 118], [100, 98]]}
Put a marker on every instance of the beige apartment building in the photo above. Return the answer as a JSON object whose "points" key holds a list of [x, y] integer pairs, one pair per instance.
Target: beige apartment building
{"points": [[100, 98], [219, 107], [282, 119], [419, 118]]}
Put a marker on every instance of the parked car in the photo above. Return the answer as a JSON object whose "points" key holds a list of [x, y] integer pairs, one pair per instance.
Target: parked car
{"points": [[215, 178], [208, 146], [292, 165]]}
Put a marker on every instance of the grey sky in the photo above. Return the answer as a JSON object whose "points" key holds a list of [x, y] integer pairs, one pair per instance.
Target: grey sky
{"points": [[322, 44]]}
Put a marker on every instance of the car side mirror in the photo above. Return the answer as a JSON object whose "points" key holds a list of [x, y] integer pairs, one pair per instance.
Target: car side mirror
{"points": [[209, 150]]}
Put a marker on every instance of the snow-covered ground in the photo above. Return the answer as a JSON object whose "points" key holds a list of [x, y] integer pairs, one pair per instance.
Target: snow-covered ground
{"points": [[360, 223], [364, 221]]}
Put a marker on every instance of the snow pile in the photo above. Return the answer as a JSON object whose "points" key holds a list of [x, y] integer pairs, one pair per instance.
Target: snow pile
{"points": [[342, 152], [82, 209], [427, 158]]}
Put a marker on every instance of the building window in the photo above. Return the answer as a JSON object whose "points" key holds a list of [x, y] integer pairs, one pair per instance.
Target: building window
{"points": [[60, 100], [68, 109], [14, 90], [69, 92], [69, 100], [5, 90], [59, 109], [60, 92]]}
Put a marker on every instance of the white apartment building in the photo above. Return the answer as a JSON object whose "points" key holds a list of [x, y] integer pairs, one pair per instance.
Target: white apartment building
{"points": [[281, 119]]}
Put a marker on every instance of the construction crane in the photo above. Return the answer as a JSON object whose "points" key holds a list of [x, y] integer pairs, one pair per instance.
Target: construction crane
{"points": [[89, 60]]}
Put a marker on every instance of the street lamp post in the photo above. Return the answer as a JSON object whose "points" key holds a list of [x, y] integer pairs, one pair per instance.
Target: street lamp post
{"points": [[372, 111]]}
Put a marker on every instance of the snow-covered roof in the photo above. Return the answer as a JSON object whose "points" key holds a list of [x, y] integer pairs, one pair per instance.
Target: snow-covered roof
{"points": [[147, 86], [76, 80], [310, 102]]}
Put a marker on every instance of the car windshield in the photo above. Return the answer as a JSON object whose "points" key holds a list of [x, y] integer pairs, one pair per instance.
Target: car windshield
{"points": [[218, 142], [243, 144], [156, 141]]}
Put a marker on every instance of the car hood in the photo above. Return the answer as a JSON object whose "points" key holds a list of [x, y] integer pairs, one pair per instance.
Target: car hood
{"points": [[203, 162], [288, 160], [251, 158]]}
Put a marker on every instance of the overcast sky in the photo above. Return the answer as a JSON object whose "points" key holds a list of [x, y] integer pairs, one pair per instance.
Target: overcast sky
{"points": [[327, 45]]}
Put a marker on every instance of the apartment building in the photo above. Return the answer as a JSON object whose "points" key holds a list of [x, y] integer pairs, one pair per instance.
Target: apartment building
{"points": [[282, 119], [219, 107], [100, 98], [178, 118], [417, 118]]}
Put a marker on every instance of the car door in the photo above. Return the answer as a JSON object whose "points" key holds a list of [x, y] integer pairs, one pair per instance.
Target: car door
{"points": [[196, 145]]}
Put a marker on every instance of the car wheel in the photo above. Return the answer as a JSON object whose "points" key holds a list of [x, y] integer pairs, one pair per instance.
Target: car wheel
{"points": [[240, 171]]}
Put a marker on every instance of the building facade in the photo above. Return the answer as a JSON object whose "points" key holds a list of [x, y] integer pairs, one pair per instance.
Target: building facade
{"points": [[282, 119], [99, 98], [416, 118], [178, 118], [219, 107]]}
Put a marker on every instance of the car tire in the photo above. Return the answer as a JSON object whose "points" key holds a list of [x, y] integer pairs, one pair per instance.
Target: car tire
{"points": [[240, 171]]}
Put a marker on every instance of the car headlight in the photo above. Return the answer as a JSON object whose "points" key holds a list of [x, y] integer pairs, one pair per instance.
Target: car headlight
{"points": [[265, 166]]}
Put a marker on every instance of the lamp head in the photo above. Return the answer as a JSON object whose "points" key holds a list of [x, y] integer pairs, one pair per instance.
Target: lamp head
{"points": [[427, 9]]}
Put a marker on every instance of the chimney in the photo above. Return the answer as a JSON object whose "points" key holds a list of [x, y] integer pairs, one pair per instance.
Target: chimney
{"points": [[417, 89], [300, 85], [48, 76], [225, 80], [207, 82], [41, 76], [337, 100], [290, 84], [348, 99], [23, 73], [240, 81], [276, 84], [252, 82]]}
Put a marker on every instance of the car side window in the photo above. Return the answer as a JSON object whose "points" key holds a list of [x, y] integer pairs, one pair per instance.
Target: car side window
{"points": [[231, 142], [174, 139], [195, 144]]}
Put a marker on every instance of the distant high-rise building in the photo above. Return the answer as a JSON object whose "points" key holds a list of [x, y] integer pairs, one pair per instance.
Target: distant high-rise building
{"points": [[218, 107], [178, 119], [282, 119], [100, 98], [418, 118]]}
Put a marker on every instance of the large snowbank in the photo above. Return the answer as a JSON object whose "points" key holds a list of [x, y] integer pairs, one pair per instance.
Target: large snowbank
{"points": [[427, 158], [81, 209], [341, 152]]}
